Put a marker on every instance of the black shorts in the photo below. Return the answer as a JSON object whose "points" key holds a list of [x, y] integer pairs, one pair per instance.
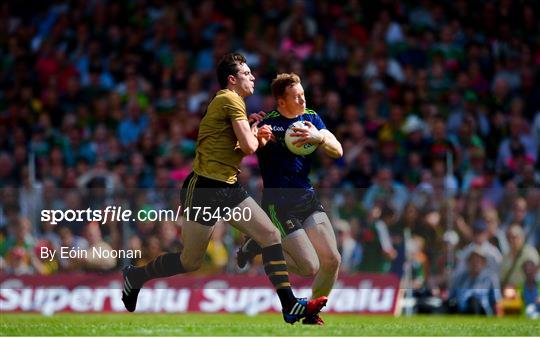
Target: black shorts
{"points": [[288, 216], [201, 196]]}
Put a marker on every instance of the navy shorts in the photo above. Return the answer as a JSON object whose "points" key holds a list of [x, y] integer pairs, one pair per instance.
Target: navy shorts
{"points": [[288, 216]]}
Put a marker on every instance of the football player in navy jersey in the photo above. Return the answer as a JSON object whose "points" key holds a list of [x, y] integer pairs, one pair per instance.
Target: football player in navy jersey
{"points": [[225, 137], [289, 199]]}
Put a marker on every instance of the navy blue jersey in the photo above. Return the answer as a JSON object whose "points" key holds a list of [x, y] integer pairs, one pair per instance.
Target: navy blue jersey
{"points": [[280, 168]]}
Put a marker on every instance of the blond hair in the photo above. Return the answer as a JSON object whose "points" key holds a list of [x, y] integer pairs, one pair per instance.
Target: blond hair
{"points": [[282, 82]]}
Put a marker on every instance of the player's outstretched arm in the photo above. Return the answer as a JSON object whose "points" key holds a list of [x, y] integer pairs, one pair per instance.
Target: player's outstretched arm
{"points": [[246, 136]]}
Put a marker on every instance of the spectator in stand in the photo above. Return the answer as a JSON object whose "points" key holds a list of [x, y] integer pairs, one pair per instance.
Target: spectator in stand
{"points": [[476, 290], [415, 141], [49, 233], [440, 146], [523, 217], [297, 42], [386, 189], [196, 96], [382, 67], [361, 172], [357, 140], [69, 240], [511, 273], [466, 141], [133, 125], [496, 235], [169, 236], [135, 243], [389, 156], [299, 13], [44, 265], [17, 262], [378, 250], [419, 264], [530, 293], [480, 240], [92, 262], [19, 234], [349, 249], [19, 249], [518, 148], [350, 210], [151, 249], [528, 178]]}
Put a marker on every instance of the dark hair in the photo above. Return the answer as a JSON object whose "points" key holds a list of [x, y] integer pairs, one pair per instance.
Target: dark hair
{"points": [[228, 65]]}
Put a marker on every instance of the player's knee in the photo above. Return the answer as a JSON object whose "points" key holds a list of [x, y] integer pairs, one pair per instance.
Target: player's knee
{"points": [[268, 236], [310, 269], [331, 262]]}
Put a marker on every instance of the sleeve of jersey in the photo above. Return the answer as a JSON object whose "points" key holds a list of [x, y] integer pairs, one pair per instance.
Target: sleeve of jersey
{"points": [[318, 122], [235, 108]]}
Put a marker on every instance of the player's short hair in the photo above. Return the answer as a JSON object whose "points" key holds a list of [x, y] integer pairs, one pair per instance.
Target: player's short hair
{"points": [[282, 82], [228, 65]]}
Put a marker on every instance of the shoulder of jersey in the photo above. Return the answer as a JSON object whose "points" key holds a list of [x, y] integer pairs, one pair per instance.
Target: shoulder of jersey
{"points": [[272, 115], [228, 94]]}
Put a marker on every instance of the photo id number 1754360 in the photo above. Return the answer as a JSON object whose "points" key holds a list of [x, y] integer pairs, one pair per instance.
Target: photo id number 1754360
{"points": [[226, 214]]}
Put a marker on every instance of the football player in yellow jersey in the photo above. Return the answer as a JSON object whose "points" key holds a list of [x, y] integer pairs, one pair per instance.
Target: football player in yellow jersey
{"points": [[212, 192]]}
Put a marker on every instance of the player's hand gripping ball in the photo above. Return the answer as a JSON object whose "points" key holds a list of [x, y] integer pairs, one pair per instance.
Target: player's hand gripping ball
{"points": [[304, 149]]}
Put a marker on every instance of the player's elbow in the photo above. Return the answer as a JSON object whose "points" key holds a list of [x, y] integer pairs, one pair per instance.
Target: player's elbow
{"points": [[333, 148], [339, 152], [249, 149], [336, 152]]}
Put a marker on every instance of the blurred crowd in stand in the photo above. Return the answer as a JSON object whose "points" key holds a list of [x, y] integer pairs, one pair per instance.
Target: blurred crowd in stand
{"points": [[436, 103]]}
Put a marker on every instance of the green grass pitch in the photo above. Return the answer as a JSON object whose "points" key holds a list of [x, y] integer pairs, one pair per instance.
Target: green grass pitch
{"points": [[260, 325]]}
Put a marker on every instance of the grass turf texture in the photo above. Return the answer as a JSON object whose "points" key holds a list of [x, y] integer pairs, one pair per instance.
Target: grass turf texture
{"points": [[261, 325]]}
